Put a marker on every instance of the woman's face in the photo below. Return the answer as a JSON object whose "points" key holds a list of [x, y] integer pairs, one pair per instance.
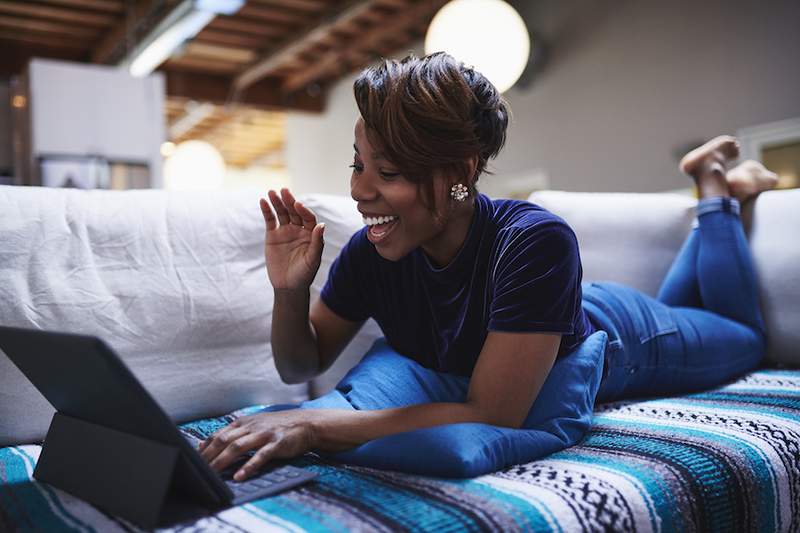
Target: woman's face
{"points": [[393, 208]]}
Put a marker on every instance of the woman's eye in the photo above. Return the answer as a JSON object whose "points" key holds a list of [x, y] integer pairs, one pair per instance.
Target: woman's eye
{"points": [[389, 175], [356, 167]]}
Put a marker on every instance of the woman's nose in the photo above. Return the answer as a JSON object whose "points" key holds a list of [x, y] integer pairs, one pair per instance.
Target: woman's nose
{"points": [[361, 188]]}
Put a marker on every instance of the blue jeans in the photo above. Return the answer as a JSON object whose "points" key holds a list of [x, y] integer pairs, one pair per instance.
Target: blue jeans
{"points": [[703, 329]]}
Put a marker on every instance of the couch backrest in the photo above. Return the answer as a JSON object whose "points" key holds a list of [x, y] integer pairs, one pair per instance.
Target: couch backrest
{"points": [[175, 282], [633, 238]]}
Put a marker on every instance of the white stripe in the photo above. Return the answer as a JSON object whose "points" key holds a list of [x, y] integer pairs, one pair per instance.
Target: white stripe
{"points": [[629, 487]]}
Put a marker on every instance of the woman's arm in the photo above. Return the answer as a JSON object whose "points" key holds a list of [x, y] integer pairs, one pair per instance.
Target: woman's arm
{"points": [[304, 343], [509, 374]]}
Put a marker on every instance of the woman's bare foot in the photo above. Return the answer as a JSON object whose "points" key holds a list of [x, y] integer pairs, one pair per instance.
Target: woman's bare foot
{"points": [[707, 164], [750, 178]]}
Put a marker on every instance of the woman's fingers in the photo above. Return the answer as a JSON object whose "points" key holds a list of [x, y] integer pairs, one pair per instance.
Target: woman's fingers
{"points": [[288, 202], [309, 219], [314, 251], [220, 440], [264, 455], [235, 449], [269, 216], [280, 209]]}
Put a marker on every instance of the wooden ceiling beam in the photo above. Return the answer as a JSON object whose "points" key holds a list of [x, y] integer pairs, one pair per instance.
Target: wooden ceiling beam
{"points": [[311, 6], [57, 14], [272, 14], [348, 10], [109, 6], [229, 39], [352, 52], [216, 52], [50, 41], [26, 24], [16, 54], [265, 95], [237, 25]]}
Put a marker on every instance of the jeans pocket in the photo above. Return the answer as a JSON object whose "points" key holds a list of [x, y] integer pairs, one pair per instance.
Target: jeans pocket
{"points": [[658, 320]]}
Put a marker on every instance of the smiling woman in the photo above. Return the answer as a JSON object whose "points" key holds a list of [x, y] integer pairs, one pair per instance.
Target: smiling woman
{"points": [[488, 330]]}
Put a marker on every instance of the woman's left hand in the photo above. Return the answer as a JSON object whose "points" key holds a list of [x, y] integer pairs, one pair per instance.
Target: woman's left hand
{"points": [[275, 435]]}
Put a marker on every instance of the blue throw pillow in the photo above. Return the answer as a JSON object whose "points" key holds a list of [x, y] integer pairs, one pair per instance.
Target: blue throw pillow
{"points": [[559, 418]]}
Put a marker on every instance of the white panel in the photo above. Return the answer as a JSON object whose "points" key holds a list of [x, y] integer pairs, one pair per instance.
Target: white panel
{"points": [[96, 110]]}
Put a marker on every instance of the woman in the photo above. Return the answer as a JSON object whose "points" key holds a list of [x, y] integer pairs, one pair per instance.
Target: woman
{"points": [[487, 289]]}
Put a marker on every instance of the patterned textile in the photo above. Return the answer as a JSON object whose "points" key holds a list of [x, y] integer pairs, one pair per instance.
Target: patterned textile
{"points": [[722, 460]]}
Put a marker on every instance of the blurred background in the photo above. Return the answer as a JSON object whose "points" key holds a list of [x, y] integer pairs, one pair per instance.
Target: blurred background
{"points": [[606, 95]]}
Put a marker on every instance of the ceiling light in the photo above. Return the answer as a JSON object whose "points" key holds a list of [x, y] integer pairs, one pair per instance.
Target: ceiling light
{"points": [[194, 166], [488, 35], [182, 23]]}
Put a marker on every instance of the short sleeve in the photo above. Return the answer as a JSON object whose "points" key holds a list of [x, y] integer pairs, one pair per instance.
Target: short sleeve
{"points": [[536, 280], [344, 291]]}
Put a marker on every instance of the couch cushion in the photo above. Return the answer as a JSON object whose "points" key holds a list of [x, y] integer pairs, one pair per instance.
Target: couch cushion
{"points": [[175, 282], [633, 238], [624, 237], [776, 251]]}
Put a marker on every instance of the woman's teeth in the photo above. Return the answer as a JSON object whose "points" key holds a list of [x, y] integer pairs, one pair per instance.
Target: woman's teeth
{"points": [[371, 221]]}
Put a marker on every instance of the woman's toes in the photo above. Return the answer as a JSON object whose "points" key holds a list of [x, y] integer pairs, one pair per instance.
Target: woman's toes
{"points": [[750, 178], [718, 151]]}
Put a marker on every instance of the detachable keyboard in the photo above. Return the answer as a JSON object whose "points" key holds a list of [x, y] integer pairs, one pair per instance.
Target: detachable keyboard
{"points": [[270, 481]]}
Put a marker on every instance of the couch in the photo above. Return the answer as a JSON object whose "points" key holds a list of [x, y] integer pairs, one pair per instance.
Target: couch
{"points": [[175, 282]]}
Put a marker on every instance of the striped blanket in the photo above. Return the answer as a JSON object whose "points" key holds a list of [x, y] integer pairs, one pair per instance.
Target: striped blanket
{"points": [[722, 460]]}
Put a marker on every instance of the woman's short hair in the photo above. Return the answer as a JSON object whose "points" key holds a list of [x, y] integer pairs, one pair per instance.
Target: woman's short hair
{"points": [[432, 113]]}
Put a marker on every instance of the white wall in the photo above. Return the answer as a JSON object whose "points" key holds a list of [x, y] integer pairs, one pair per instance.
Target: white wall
{"points": [[82, 109], [630, 83], [627, 85], [319, 147]]}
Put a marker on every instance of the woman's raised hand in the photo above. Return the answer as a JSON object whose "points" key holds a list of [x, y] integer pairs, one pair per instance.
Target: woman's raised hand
{"points": [[293, 248]]}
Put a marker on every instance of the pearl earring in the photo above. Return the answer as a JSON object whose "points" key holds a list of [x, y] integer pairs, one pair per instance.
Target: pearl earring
{"points": [[459, 192]]}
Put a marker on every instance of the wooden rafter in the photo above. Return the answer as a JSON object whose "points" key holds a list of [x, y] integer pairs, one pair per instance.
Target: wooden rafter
{"points": [[56, 14], [352, 53], [43, 26], [348, 10], [109, 6], [267, 14], [50, 41], [266, 95], [312, 6]]}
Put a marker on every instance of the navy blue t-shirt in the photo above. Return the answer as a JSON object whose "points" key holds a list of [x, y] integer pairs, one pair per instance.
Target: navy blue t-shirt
{"points": [[519, 270]]}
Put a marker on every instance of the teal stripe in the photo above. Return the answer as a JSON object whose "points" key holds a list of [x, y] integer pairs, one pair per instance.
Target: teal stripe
{"points": [[776, 372], [54, 497], [27, 506], [299, 515], [738, 409], [393, 502], [527, 516], [763, 390], [207, 426], [791, 403]]}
